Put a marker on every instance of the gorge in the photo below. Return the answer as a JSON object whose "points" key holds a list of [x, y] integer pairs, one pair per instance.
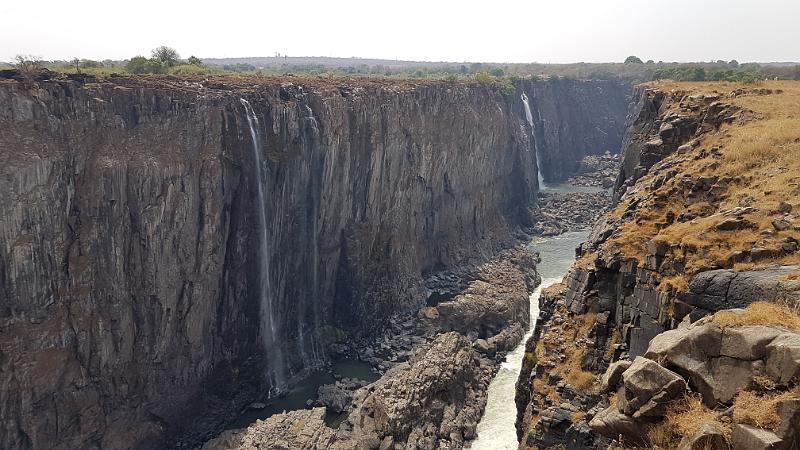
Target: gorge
{"points": [[228, 262], [174, 249]]}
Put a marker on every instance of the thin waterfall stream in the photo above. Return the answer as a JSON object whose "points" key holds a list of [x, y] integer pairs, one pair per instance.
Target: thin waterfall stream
{"points": [[496, 429], [268, 328], [529, 118]]}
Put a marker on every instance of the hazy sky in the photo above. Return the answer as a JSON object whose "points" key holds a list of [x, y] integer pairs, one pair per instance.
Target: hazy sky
{"points": [[432, 30]]}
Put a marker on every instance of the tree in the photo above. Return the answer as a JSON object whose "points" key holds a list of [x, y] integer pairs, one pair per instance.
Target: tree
{"points": [[497, 72], [733, 63], [28, 64], [140, 64], [167, 56], [633, 60], [195, 61]]}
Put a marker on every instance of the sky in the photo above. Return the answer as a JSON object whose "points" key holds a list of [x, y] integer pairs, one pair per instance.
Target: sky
{"points": [[549, 31]]}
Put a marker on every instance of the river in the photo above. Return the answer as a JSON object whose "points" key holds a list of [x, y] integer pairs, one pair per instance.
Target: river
{"points": [[496, 429]]}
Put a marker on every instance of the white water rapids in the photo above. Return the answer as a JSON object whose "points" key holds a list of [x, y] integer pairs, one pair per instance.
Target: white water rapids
{"points": [[496, 429]]}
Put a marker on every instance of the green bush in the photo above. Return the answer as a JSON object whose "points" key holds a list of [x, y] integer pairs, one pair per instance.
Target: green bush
{"points": [[140, 64], [188, 69]]}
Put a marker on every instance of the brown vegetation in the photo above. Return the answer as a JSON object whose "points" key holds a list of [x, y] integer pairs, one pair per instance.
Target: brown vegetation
{"points": [[760, 313], [684, 418], [761, 409], [758, 157]]}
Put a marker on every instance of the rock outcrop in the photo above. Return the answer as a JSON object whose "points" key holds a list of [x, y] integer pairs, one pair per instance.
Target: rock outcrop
{"points": [[130, 246], [687, 237], [719, 363]]}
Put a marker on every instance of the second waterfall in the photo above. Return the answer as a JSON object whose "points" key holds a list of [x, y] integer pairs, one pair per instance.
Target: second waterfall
{"points": [[269, 328]]}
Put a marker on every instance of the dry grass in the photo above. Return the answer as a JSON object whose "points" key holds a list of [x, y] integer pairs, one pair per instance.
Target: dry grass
{"points": [[577, 327], [759, 409], [578, 416], [760, 313], [683, 418], [678, 283], [541, 387], [760, 158], [616, 337]]}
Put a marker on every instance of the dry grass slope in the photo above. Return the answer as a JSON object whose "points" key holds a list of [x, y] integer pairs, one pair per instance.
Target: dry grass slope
{"points": [[760, 313], [760, 158]]}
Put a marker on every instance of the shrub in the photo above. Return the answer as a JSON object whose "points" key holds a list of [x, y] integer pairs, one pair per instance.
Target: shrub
{"points": [[28, 64], [167, 56], [188, 69], [483, 77], [140, 64]]}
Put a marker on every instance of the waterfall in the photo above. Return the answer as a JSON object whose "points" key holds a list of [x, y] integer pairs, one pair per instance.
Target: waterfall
{"points": [[269, 328], [309, 138], [529, 117]]}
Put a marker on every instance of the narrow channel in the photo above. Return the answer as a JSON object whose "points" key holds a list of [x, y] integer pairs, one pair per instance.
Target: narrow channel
{"points": [[496, 429]]}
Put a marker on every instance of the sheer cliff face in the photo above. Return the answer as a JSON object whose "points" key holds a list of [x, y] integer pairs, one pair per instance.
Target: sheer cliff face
{"points": [[130, 252], [572, 119]]}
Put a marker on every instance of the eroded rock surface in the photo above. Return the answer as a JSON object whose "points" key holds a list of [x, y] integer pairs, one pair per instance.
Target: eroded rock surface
{"points": [[130, 248]]}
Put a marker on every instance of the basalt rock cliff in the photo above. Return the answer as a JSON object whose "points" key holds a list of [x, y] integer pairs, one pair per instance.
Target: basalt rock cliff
{"points": [[146, 290], [573, 119]]}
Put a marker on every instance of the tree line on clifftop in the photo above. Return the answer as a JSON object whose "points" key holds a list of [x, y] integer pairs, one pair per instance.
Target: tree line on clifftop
{"points": [[166, 60]]}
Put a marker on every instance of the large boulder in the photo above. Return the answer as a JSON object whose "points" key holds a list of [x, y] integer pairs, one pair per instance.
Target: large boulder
{"points": [[783, 357], [334, 397], [613, 375], [745, 437], [611, 423], [715, 290], [647, 389], [710, 436]]}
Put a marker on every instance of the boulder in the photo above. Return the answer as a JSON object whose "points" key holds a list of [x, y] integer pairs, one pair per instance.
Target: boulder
{"points": [[610, 379], [749, 343], [695, 352], [745, 437], [789, 428], [783, 357], [333, 397], [715, 290], [611, 423], [647, 388], [734, 223], [710, 436]]}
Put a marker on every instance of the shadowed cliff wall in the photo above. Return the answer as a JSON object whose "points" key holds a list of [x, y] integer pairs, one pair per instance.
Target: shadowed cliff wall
{"points": [[128, 255]]}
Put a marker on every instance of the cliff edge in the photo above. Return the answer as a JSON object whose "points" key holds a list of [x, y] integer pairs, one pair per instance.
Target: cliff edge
{"points": [[705, 221]]}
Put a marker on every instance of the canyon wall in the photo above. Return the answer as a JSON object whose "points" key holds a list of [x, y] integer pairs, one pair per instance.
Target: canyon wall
{"points": [[142, 279], [692, 233], [575, 118], [132, 300]]}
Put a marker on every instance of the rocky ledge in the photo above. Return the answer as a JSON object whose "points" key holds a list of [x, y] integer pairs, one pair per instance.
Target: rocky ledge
{"points": [[743, 377], [559, 213], [597, 170]]}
